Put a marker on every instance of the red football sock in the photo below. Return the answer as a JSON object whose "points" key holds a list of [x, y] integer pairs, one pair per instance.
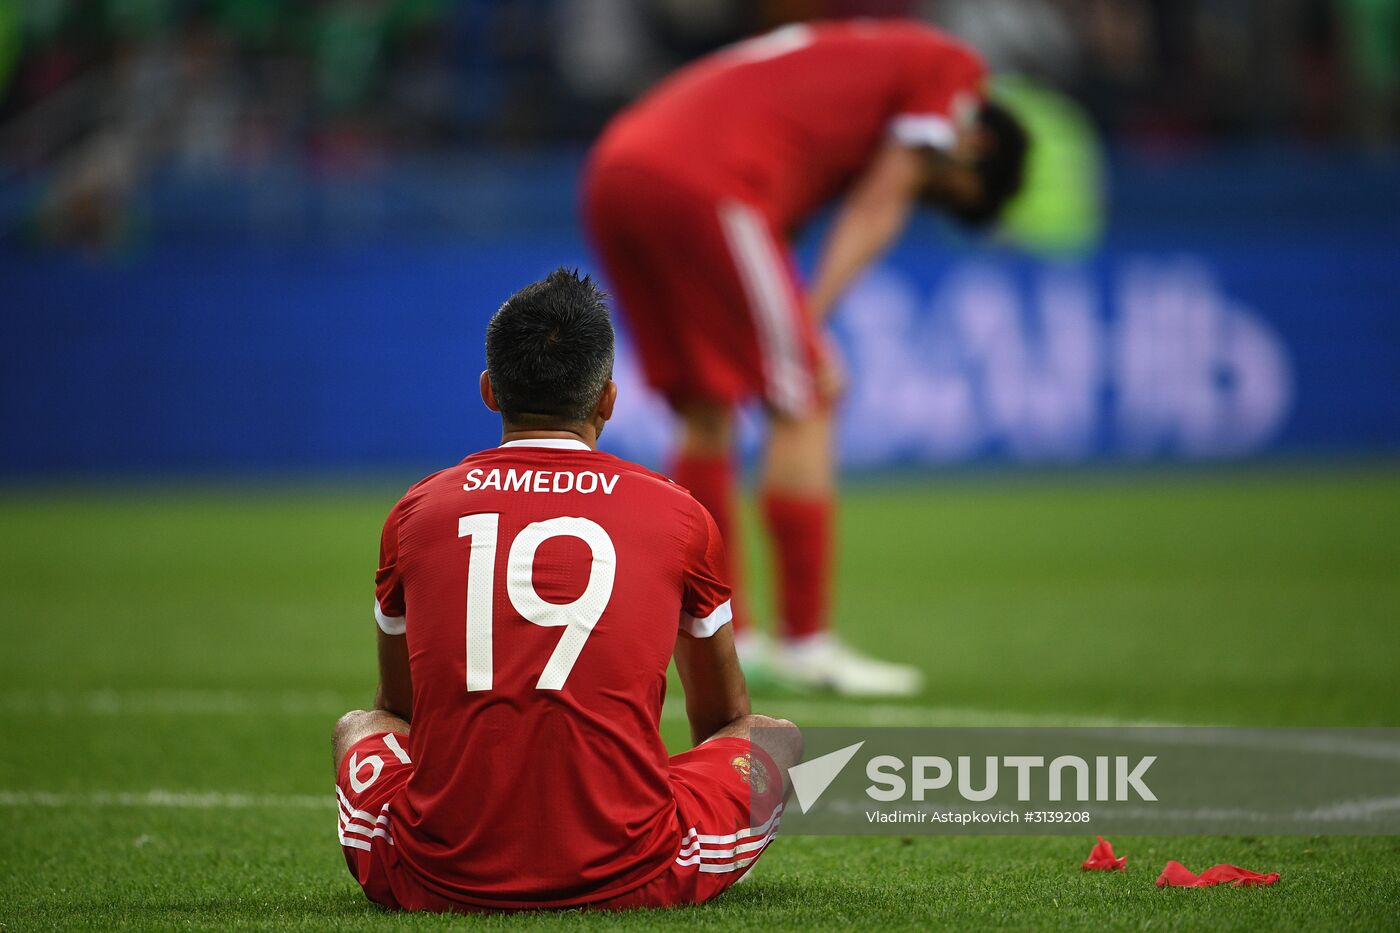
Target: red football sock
{"points": [[713, 483], [801, 531]]}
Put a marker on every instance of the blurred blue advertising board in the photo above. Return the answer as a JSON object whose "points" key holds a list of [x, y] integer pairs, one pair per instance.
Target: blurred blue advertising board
{"points": [[1212, 324]]}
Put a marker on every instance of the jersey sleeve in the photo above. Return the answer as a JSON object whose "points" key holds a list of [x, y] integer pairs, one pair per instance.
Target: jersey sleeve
{"points": [[705, 600], [388, 584], [943, 87]]}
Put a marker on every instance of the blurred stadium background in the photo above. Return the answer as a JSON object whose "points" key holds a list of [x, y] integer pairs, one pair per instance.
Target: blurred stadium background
{"points": [[297, 219], [1135, 460]]}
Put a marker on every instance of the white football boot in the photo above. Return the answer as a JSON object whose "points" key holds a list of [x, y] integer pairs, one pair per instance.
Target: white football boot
{"points": [[824, 662], [755, 651]]}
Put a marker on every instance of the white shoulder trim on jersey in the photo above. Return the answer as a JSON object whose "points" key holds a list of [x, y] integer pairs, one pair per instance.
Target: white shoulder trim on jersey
{"points": [[706, 626], [389, 625], [924, 130], [558, 443]]}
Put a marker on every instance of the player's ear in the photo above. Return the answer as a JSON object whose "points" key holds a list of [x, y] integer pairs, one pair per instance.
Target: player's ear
{"points": [[606, 402], [487, 395]]}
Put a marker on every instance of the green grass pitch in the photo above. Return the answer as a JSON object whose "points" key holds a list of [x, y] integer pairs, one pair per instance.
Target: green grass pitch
{"points": [[173, 659]]}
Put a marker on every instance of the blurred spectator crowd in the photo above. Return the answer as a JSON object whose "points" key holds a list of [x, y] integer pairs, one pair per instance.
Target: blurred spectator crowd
{"points": [[98, 91], [237, 78]]}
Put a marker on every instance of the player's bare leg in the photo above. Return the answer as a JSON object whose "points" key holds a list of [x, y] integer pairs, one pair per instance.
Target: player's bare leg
{"points": [[359, 723], [798, 501], [781, 739], [706, 464], [707, 429], [799, 459]]}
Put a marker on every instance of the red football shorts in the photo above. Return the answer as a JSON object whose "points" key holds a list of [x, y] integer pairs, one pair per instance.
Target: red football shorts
{"points": [[717, 837], [707, 289]]}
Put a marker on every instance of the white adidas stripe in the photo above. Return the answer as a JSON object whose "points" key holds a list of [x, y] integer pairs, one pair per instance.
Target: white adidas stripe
{"points": [[369, 825], [357, 814], [764, 277], [709, 851], [354, 843], [739, 849], [361, 830], [348, 816], [701, 858], [741, 834], [717, 869], [362, 843]]}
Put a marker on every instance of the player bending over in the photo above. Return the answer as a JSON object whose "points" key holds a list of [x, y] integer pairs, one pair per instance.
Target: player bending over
{"points": [[691, 197], [528, 601]]}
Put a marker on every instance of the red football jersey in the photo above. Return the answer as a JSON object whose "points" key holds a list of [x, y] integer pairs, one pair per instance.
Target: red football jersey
{"points": [[541, 586], [787, 119]]}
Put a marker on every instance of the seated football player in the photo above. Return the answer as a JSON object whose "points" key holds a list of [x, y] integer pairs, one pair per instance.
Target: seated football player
{"points": [[528, 602]]}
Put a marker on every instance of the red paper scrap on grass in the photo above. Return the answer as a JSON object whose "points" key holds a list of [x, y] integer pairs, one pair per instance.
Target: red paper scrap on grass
{"points": [[1177, 875], [1101, 858]]}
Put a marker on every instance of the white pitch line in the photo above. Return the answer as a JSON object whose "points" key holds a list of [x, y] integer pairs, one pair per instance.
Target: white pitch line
{"points": [[1352, 811], [810, 712], [179, 800], [1363, 810], [834, 712], [173, 702], [1344, 812], [815, 712]]}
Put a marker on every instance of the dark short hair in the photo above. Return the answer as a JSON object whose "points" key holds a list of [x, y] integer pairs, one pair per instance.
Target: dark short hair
{"points": [[549, 350], [1002, 167]]}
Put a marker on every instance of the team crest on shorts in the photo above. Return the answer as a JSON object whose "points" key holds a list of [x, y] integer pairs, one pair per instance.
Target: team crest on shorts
{"points": [[752, 771]]}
